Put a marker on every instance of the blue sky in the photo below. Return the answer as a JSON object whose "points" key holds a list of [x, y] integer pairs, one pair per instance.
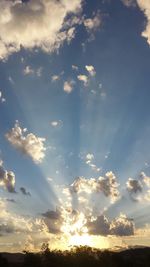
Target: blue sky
{"points": [[82, 85]]}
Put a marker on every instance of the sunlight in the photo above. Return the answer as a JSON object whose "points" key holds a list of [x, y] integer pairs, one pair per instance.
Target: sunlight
{"points": [[80, 240]]}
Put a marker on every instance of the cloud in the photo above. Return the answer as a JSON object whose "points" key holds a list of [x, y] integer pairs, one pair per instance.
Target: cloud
{"points": [[89, 156], [19, 23], [29, 144], [107, 185], [74, 67], [122, 226], [57, 124], [89, 162], [99, 226], [70, 221], [84, 79], [28, 70], [90, 70], [145, 179], [68, 86], [53, 221], [129, 3], [2, 99], [93, 24], [24, 192], [134, 186], [7, 180], [55, 78], [141, 186], [144, 6], [11, 200]]}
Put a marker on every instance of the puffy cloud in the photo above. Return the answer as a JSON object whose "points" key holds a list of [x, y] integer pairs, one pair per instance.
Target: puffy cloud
{"points": [[92, 24], [68, 86], [53, 221], [84, 79], [99, 226], [19, 23], [72, 222], [134, 186], [7, 180], [145, 179], [141, 186], [29, 144], [24, 191], [107, 185], [53, 215], [122, 226], [91, 70]]}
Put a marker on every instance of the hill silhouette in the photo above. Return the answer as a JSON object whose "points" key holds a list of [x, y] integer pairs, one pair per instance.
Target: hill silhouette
{"points": [[78, 257]]}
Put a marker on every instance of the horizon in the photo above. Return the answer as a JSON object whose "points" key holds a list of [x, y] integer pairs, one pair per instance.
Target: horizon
{"points": [[75, 124]]}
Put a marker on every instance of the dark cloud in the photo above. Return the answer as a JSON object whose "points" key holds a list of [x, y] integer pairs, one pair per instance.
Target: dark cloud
{"points": [[11, 200], [99, 226], [7, 180], [24, 192]]}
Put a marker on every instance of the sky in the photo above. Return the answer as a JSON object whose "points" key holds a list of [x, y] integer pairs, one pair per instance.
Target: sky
{"points": [[74, 123]]}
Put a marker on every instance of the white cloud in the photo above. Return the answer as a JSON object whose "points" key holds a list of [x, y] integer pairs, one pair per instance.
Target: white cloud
{"points": [[89, 162], [68, 86], [55, 78], [57, 124], [84, 79], [19, 23], [28, 70], [107, 185], [29, 144], [91, 70], [89, 156]]}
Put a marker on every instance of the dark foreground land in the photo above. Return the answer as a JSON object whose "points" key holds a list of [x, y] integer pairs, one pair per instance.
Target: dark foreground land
{"points": [[78, 257]]}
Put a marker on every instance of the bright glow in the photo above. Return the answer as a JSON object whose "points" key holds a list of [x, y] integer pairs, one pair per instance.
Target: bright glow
{"points": [[80, 240]]}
